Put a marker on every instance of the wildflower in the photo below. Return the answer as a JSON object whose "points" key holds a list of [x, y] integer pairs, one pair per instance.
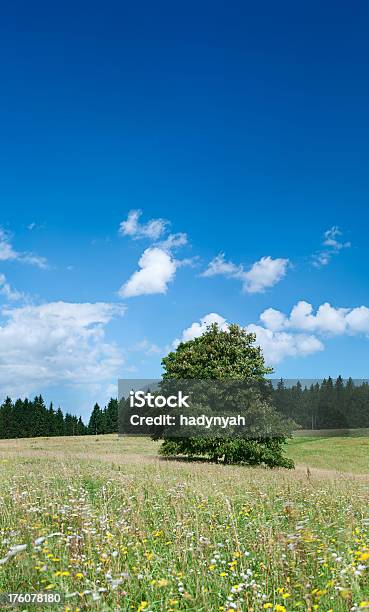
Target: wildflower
{"points": [[12, 552], [143, 605]]}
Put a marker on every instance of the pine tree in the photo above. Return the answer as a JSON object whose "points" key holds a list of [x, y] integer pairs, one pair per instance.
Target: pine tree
{"points": [[81, 428], [96, 422], [8, 429], [59, 423], [111, 416]]}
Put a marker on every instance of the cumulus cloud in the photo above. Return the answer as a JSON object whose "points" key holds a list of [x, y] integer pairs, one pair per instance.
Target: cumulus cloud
{"points": [[276, 345], [357, 320], [157, 270], [326, 320], [57, 343], [263, 274], [199, 327], [8, 253], [332, 245], [132, 227], [157, 264], [297, 334]]}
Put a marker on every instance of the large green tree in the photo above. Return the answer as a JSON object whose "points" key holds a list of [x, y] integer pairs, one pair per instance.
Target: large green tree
{"points": [[229, 355]]}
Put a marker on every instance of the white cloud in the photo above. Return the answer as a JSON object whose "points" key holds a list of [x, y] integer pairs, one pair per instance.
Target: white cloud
{"points": [[57, 343], [33, 260], [157, 270], [277, 345], [358, 320], [220, 267], [331, 246], [326, 320], [153, 229], [273, 319], [7, 291], [199, 327], [8, 253], [173, 241], [157, 264], [263, 274]]}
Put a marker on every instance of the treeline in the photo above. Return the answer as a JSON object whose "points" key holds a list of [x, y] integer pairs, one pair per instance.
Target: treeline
{"points": [[31, 419], [329, 404]]}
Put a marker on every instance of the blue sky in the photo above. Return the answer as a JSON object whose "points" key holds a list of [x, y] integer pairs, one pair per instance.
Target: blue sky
{"points": [[244, 127]]}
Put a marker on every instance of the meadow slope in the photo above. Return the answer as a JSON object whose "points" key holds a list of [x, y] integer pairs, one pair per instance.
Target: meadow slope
{"points": [[108, 523]]}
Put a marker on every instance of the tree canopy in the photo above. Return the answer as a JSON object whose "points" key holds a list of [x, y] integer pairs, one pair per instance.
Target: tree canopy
{"points": [[217, 355], [231, 355]]}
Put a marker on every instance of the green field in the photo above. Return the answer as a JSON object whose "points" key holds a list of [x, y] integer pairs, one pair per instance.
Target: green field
{"points": [[136, 532]]}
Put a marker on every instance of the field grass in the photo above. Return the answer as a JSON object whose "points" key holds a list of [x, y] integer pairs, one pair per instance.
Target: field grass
{"points": [[341, 454], [135, 532]]}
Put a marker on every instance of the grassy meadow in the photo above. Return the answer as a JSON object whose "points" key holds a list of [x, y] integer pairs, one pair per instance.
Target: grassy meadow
{"points": [[114, 527]]}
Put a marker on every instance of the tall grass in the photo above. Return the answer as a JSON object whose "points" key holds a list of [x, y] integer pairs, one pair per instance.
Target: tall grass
{"points": [[126, 530]]}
